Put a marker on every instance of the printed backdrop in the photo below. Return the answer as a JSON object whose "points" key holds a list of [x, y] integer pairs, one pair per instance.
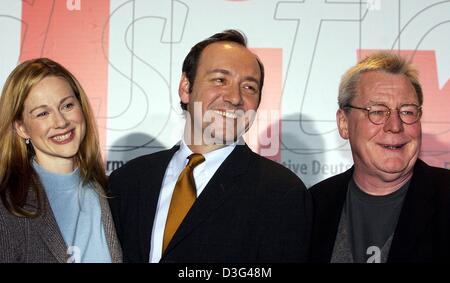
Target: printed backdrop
{"points": [[128, 56]]}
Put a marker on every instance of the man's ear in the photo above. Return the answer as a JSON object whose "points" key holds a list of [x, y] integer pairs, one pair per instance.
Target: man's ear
{"points": [[21, 130], [183, 89], [342, 123]]}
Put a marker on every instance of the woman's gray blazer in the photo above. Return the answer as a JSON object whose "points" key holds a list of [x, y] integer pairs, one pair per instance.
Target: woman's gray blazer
{"points": [[40, 240]]}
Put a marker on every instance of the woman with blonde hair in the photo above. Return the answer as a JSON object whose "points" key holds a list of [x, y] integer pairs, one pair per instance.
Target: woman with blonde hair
{"points": [[53, 206]]}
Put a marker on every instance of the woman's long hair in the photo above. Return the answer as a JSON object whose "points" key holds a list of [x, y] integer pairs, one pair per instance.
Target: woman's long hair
{"points": [[17, 177]]}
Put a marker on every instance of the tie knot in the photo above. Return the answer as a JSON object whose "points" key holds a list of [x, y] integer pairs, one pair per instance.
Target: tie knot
{"points": [[195, 159]]}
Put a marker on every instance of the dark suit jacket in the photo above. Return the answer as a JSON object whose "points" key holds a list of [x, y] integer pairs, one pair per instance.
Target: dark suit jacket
{"points": [[423, 229], [252, 210]]}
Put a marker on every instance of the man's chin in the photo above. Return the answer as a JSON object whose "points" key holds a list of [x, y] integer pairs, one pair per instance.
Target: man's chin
{"points": [[224, 141], [222, 138], [394, 168]]}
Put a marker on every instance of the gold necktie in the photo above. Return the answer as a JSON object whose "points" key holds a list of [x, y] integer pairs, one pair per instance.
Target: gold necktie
{"points": [[183, 197]]}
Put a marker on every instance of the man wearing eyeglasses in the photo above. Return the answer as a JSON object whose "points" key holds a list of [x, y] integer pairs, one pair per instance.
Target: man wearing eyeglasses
{"points": [[390, 206]]}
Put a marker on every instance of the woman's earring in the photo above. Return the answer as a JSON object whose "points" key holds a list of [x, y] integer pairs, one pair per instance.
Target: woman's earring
{"points": [[27, 141]]}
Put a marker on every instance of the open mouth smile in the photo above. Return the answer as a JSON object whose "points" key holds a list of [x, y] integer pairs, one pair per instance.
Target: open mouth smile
{"points": [[64, 138], [226, 114], [393, 146]]}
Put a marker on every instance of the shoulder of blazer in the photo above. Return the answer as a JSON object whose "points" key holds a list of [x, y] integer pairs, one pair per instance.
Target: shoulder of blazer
{"points": [[265, 178], [277, 174], [244, 160], [426, 174], [333, 186], [430, 183]]}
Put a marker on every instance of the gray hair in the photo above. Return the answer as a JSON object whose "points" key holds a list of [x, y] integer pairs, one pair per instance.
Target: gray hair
{"points": [[377, 62]]}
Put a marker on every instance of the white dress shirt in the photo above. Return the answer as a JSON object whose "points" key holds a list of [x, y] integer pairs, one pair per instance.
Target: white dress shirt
{"points": [[202, 174]]}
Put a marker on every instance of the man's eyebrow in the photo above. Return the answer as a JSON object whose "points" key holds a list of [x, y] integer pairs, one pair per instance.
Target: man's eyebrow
{"points": [[252, 79], [222, 71], [226, 72]]}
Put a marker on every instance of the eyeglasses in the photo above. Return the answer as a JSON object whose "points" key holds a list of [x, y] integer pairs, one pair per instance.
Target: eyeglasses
{"points": [[379, 113]]}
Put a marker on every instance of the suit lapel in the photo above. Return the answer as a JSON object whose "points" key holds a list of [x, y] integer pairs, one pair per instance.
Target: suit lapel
{"points": [[417, 210], [49, 232], [150, 188], [110, 231], [218, 189], [328, 211], [342, 250], [48, 229]]}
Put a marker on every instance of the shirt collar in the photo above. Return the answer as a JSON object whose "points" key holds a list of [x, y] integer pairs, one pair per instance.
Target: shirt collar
{"points": [[218, 155]]}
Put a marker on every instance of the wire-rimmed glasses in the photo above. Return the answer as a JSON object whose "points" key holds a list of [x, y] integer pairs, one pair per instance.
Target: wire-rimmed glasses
{"points": [[380, 113]]}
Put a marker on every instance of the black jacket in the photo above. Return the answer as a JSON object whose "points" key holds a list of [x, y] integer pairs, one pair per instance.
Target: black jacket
{"points": [[423, 229], [252, 210]]}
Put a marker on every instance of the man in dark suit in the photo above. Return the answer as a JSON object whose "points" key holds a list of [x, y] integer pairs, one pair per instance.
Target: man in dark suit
{"points": [[247, 208], [390, 206]]}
